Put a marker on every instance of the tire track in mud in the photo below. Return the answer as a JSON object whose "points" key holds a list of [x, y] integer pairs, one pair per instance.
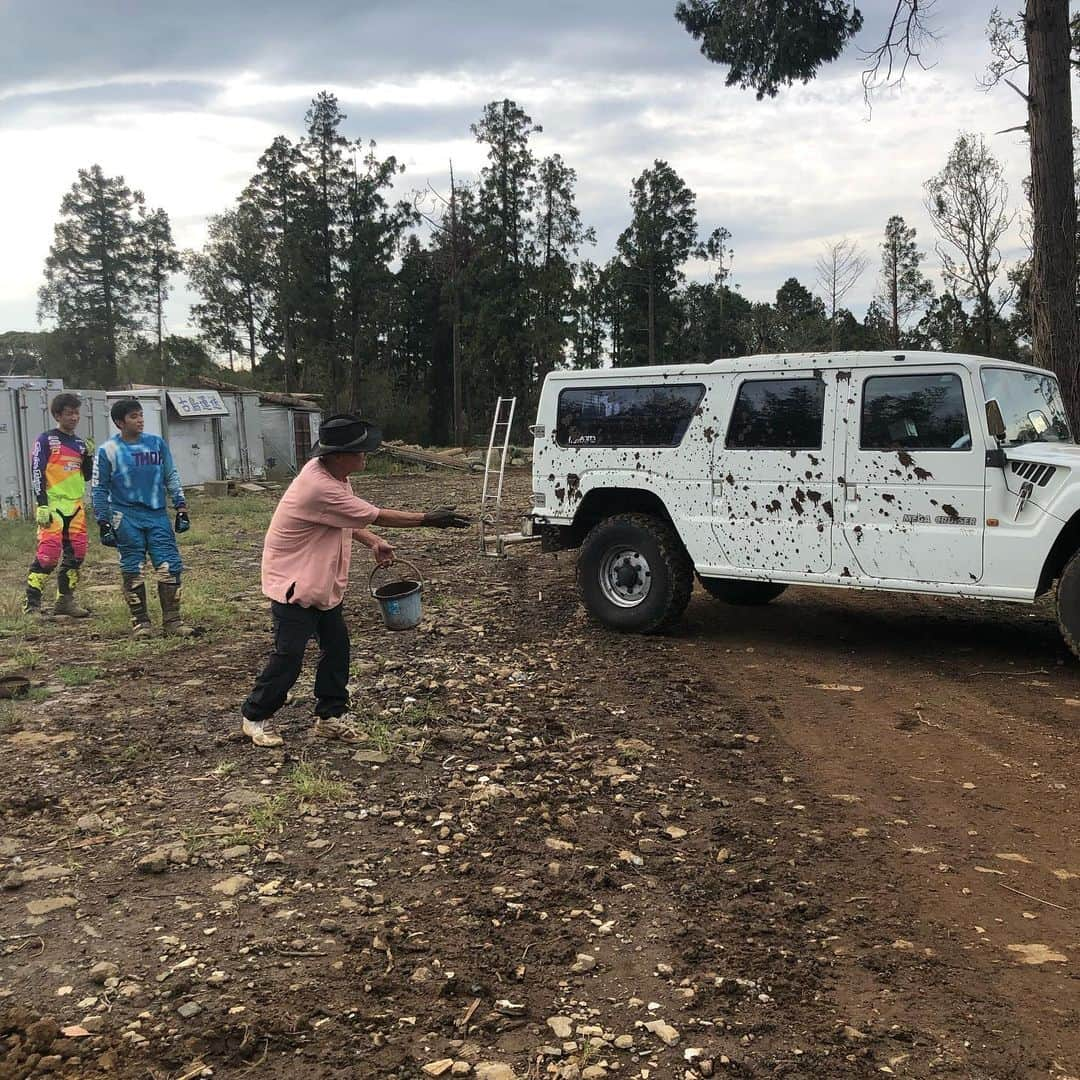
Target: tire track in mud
{"points": [[964, 784]]}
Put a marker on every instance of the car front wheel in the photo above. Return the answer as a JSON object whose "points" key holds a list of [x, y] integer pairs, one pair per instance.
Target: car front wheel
{"points": [[1068, 604]]}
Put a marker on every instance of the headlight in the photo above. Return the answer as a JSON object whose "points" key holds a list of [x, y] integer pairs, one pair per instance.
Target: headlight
{"points": [[539, 498]]}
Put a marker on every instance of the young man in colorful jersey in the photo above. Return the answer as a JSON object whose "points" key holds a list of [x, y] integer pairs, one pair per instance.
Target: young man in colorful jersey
{"points": [[60, 465], [132, 474]]}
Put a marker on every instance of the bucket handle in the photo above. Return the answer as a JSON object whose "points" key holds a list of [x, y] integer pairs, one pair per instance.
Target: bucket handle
{"points": [[404, 562]]}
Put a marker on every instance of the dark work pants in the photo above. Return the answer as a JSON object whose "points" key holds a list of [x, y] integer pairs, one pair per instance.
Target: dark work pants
{"points": [[293, 627]]}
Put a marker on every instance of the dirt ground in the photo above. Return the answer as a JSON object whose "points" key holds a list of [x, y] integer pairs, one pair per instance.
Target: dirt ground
{"points": [[831, 837]]}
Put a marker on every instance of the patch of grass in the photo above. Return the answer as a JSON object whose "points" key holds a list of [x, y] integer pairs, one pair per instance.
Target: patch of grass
{"points": [[383, 734], [422, 713], [266, 818], [37, 693], [312, 785], [133, 751], [140, 648], [194, 841], [70, 675], [223, 769], [24, 658], [9, 717], [589, 1053]]}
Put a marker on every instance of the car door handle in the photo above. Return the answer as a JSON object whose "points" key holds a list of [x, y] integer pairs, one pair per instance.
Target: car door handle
{"points": [[850, 492]]}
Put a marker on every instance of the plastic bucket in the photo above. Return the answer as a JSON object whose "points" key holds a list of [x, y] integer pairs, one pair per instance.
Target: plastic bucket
{"points": [[399, 601]]}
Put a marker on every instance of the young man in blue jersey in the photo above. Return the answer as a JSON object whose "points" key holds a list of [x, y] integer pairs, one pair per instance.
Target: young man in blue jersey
{"points": [[132, 474]]}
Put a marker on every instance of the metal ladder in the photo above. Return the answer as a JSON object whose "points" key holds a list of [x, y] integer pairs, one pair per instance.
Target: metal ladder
{"points": [[491, 502]]}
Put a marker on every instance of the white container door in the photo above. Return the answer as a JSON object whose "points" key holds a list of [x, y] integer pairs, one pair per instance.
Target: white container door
{"points": [[251, 428], [231, 439], [914, 477], [192, 443], [14, 493]]}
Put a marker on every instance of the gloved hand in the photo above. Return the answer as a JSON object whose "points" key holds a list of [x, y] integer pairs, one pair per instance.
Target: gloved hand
{"points": [[183, 522], [108, 534], [445, 517], [43, 516]]}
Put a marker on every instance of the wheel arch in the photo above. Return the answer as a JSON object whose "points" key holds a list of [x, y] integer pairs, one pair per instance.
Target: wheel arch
{"points": [[1063, 548], [605, 502]]}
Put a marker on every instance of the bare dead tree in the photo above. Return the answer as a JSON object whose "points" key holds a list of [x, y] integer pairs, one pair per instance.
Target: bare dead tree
{"points": [[841, 265], [968, 203], [910, 29]]}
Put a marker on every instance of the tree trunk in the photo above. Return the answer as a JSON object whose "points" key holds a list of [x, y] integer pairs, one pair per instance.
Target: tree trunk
{"points": [[894, 296], [652, 318], [159, 305], [1053, 199]]}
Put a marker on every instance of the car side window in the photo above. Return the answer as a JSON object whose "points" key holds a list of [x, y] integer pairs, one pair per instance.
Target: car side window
{"points": [[627, 415], [777, 414], [914, 412]]}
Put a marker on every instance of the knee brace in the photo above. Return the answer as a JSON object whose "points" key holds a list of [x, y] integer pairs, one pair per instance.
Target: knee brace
{"points": [[165, 575], [134, 589]]}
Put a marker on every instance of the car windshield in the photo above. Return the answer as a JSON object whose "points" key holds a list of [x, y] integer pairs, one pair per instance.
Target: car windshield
{"points": [[1030, 404]]}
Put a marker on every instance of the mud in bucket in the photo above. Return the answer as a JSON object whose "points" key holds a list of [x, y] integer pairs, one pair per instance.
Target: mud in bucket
{"points": [[399, 600]]}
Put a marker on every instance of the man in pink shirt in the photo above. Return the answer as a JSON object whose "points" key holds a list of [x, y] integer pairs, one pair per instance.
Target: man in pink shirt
{"points": [[305, 568]]}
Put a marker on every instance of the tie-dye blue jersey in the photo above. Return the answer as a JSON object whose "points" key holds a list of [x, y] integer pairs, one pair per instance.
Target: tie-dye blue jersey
{"points": [[134, 475]]}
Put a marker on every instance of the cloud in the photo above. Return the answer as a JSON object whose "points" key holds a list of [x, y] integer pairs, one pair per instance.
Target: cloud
{"points": [[182, 99]]}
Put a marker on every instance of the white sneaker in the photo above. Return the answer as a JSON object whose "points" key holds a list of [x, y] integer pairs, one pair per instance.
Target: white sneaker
{"points": [[259, 735]]}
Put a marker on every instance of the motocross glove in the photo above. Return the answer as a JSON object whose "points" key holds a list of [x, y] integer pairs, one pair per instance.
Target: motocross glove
{"points": [[446, 517], [43, 516], [108, 534], [183, 522]]}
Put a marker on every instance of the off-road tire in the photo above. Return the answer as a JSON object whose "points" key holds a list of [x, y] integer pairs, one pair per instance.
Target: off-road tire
{"points": [[742, 592], [1068, 604], [670, 568]]}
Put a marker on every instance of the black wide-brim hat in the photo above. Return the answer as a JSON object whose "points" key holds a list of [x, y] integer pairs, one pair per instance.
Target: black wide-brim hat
{"points": [[345, 433]]}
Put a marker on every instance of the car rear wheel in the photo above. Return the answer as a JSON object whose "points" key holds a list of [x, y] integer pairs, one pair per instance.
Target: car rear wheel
{"points": [[633, 573], [742, 592]]}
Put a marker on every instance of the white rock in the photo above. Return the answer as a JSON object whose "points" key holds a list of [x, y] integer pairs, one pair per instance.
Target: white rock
{"points": [[230, 886], [668, 1035], [493, 1070], [561, 1026]]}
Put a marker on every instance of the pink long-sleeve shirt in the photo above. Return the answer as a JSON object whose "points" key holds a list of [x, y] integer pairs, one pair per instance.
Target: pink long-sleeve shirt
{"points": [[308, 547]]}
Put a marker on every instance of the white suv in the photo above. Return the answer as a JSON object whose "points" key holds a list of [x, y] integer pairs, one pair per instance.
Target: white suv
{"points": [[908, 471]]}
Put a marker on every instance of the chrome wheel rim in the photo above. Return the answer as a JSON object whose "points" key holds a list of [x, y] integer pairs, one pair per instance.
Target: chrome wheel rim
{"points": [[625, 577]]}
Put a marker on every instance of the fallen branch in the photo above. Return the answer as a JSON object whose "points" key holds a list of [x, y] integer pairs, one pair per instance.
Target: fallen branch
{"points": [[463, 1023], [1037, 671], [196, 1070], [418, 457], [1028, 896]]}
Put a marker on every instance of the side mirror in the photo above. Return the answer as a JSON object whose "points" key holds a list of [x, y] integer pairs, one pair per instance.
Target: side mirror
{"points": [[994, 420]]}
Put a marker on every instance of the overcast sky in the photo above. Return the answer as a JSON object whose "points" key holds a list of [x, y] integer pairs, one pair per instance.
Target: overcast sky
{"points": [[181, 98]]}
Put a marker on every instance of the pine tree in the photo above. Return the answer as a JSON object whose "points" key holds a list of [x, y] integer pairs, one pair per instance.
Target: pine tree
{"points": [[161, 261], [327, 176], [658, 241], [275, 194], [903, 289], [497, 348], [231, 275], [371, 231], [95, 270], [559, 235]]}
